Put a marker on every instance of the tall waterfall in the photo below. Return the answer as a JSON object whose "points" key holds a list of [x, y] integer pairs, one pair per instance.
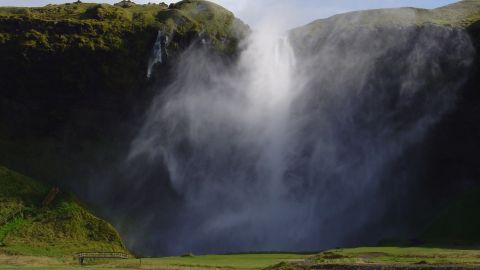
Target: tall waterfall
{"points": [[297, 149]]}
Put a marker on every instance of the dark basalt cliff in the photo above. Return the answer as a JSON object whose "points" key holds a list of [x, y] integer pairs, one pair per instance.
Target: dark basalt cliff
{"points": [[74, 77], [443, 167], [73, 84]]}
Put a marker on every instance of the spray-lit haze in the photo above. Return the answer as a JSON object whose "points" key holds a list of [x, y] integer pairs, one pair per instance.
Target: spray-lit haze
{"points": [[304, 142]]}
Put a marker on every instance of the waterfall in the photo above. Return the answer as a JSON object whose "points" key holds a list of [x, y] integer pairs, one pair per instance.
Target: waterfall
{"points": [[159, 51], [296, 149]]}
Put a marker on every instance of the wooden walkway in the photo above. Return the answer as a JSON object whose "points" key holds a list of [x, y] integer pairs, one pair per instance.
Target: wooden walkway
{"points": [[100, 255]]}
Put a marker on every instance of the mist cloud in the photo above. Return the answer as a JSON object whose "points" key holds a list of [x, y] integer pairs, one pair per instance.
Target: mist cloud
{"points": [[308, 141]]}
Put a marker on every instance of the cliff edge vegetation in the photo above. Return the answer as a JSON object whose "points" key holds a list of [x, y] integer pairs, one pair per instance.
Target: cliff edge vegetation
{"points": [[108, 27]]}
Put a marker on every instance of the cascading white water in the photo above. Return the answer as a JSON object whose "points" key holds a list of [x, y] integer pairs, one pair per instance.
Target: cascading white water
{"points": [[293, 152], [247, 111], [269, 89]]}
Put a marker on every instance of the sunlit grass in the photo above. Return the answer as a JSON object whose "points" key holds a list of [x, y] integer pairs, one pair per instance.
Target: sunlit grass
{"points": [[61, 229], [234, 261], [351, 256], [237, 261], [400, 255]]}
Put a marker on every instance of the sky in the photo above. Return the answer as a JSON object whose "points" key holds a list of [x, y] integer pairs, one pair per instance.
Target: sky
{"points": [[295, 12]]}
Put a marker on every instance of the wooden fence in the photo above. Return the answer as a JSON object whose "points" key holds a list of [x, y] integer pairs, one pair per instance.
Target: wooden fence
{"points": [[100, 255]]}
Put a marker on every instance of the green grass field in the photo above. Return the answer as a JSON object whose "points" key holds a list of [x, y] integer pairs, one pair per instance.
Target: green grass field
{"points": [[236, 261], [352, 256], [400, 255]]}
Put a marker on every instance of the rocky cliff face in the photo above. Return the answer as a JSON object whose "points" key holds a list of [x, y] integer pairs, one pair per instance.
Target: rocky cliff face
{"points": [[433, 54], [74, 76], [345, 159], [74, 81]]}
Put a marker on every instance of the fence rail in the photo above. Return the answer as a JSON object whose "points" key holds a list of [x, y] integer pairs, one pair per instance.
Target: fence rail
{"points": [[100, 255]]}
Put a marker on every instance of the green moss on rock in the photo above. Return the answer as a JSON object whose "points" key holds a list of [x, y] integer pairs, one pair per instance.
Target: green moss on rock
{"points": [[95, 24]]}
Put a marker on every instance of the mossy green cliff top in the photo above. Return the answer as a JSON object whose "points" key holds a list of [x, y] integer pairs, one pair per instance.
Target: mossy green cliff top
{"points": [[462, 14], [106, 27]]}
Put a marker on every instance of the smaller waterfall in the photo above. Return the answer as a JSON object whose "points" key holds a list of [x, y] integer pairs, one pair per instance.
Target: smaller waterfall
{"points": [[159, 53]]}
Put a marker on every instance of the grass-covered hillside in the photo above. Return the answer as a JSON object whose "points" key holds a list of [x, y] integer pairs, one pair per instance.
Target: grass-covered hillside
{"points": [[387, 258], [32, 224], [107, 27], [461, 14], [464, 14]]}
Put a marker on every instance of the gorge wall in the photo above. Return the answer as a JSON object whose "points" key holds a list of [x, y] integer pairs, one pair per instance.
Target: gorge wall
{"points": [[74, 79], [350, 130], [305, 147]]}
